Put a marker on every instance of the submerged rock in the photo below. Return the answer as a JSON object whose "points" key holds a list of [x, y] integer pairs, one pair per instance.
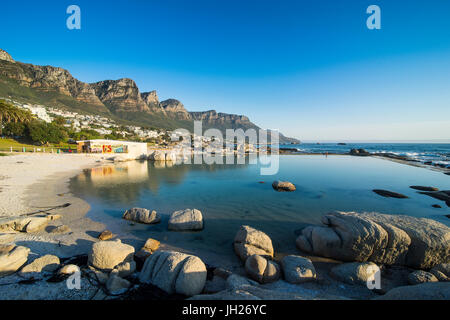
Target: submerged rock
{"points": [[249, 241], [174, 272], [142, 215], [261, 269], [298, 269], [389, 194], [105, 255], [184, 220], [420, 276], [283, 186], [12, 260], [421, 188], [384, 239], [440, 195]]}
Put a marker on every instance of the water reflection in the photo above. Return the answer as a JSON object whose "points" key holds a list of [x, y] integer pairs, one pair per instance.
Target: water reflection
{"points": [[125, 181]]}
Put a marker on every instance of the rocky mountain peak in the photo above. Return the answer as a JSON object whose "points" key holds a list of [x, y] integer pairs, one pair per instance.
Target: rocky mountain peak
{"points": [[120, 95], [6, 56], [150, 97]]}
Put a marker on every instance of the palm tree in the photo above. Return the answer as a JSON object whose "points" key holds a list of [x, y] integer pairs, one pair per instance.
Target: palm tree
{"points": [[9, 113]]}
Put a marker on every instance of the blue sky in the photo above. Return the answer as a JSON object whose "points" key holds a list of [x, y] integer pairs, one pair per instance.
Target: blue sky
{"points": [[309, 68]]}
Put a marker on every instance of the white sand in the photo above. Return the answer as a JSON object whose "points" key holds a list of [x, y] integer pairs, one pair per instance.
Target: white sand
{"points": [[19, 172]]}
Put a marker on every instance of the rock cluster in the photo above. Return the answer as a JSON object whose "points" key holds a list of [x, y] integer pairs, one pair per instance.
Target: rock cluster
{"points": [[24, 224], [160, 156], [249, 241], [384, 239], [262, 269], [359, 152]]}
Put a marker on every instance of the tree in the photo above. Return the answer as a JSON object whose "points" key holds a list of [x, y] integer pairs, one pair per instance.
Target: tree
{"points": [[15, 129], [10, 113], [44, 133]]}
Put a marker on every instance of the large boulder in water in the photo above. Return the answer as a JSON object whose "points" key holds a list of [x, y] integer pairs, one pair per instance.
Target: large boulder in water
{"points": [[249, 241], [184, 220], [174, 272], [384, 239]]}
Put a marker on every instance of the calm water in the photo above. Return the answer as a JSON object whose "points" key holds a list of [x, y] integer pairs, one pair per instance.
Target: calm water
{"points": [[438, 153], [231, 195]]}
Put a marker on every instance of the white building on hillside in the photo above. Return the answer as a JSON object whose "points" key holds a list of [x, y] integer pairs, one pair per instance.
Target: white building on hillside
{"points": [[38, 111]]}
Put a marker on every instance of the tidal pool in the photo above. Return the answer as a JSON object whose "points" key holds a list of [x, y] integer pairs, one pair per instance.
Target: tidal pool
{"points": [[232, 195]]}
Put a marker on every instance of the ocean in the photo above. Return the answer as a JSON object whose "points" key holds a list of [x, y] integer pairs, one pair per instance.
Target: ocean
{"points": [[436, 153]]}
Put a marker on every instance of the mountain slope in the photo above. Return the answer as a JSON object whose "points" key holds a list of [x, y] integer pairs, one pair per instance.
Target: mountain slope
{"points": [[119, 99]]}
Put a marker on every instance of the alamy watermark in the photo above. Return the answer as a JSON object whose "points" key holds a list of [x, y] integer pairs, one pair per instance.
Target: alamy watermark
{"points": [[74, 281], [374, 277], [74, 20], [374, 20]]}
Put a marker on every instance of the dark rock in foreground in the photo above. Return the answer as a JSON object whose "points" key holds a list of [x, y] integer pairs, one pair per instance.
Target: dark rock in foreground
{"points": [[384, 239], [389, 194], [424, 291]]}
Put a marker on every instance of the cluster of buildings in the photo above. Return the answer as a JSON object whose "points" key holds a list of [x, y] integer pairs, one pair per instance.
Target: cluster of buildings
{"points": [[105, 126], [78, 122]]}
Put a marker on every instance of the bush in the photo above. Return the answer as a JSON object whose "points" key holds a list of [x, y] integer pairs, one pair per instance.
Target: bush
{"points": [[15, 129], [43, 133]]}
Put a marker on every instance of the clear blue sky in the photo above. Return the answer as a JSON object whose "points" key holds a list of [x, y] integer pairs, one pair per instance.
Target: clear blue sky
{"points": [[309, 68]]}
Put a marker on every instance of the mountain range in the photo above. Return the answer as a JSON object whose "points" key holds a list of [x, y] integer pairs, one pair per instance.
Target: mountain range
{"points": [[119, 99]]}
